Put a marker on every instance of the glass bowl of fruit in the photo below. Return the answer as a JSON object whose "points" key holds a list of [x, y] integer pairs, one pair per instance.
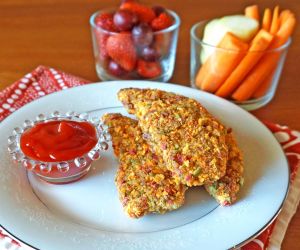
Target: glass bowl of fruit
{"points": [[238, 58], [135, 42]]}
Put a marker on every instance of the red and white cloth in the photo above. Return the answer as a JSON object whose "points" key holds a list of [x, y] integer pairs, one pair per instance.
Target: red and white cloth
{"points": [[44, 80]]}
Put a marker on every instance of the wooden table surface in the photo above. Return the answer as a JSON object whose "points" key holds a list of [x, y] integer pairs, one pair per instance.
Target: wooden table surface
{"points": [[56, 33]]}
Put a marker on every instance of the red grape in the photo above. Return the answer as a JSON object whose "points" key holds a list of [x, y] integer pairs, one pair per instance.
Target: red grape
{"points": [[116, 69], [158, 10], [124, 20], [127, 1], [142, 35], [150, 54]]}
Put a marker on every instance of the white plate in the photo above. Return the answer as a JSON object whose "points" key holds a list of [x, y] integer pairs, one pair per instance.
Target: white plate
{"points": [[88, 215]]}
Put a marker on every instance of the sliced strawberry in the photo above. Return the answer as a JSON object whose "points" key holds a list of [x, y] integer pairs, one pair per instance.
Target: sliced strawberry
{"points": [[102, 40], [144, 13], [121, 49], [148, 69], [105, 21], [162, 43], [161, 22]]}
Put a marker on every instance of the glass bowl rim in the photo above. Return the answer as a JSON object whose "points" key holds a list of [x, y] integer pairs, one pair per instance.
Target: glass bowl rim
{"points": [[199, 41], [173, 27]]}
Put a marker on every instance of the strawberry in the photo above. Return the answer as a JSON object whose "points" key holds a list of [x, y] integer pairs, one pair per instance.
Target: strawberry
{"points": [[105, 21], [102, 40], [161, 22], [121, 49], [148, 69], [144, 13], [162, 43]]}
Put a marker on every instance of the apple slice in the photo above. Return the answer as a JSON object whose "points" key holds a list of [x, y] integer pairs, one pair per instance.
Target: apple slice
{"points": [[213, 34], [241, 26]]}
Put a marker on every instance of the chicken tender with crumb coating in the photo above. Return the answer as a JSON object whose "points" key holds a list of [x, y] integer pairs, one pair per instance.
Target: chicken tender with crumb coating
{"points": [[180, 130], [143, 182], [225, 190]]}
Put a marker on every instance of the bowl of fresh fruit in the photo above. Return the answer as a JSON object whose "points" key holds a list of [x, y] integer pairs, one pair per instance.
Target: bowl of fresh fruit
{"points": [[240, 57], [135, 41]]}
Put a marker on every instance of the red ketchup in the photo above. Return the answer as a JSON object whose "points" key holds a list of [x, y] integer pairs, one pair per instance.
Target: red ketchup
{"points": [[57, 141]]}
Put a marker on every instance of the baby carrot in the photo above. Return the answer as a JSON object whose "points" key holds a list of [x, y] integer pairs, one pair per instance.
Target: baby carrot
{"points": [[275, 21], [260, 43], [267, 19], [252, 12], [266, 64], [222, 62]]}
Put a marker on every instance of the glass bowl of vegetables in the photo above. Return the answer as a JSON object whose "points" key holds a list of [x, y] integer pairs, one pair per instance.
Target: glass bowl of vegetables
{"points": [[237, 58]]}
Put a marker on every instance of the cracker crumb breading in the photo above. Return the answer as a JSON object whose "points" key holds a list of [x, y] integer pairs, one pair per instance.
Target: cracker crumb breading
{"points": [[190, 141], [225, 190], [143, 182]]}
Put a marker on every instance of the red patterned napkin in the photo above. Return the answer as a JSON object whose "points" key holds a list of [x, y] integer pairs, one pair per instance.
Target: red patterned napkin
{"points": [[43, 81]]}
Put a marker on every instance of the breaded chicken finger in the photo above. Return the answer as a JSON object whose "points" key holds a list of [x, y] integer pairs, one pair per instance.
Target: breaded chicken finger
{"points": [[143, 182]]}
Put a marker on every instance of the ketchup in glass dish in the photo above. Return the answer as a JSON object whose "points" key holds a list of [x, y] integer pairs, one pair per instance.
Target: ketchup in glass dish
{"points": [[60, 148], [58, 140]]}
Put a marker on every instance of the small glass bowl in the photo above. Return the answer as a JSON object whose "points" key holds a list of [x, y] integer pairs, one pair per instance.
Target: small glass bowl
{"points": [[164, 42], [64, 171], [263, 94]]}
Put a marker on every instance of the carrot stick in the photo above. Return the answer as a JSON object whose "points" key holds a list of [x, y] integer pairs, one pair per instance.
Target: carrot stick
{"points": [[284, 16], [201, 75], [255, 78], [222, 62], [252, 12], [267, 19], [263, 88], [284, 32], [261, 42], [266, 64], [275, 21]]}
